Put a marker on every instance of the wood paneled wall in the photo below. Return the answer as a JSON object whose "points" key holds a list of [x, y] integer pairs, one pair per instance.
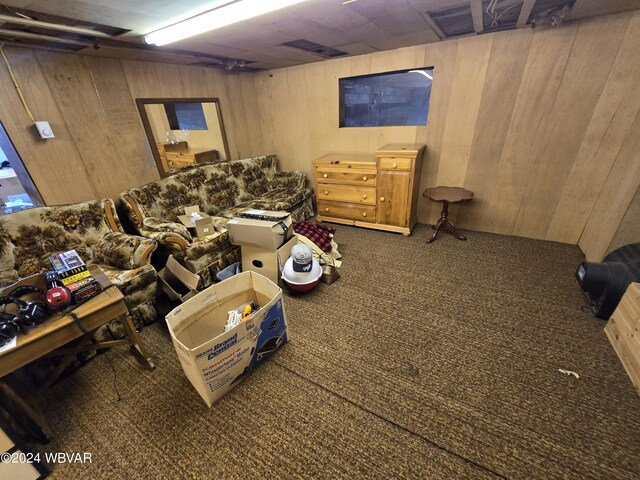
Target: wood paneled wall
{"points": [[100, 149], [543, 125], [629, 229]]}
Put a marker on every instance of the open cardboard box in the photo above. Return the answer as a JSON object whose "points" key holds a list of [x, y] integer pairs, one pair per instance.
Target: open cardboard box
{"points": [[267, 262], [266, 234], [177, 282], [213, 360], [201, 227]]}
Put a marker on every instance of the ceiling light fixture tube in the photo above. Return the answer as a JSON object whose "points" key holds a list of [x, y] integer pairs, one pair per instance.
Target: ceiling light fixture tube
{"points": [[217, 18], [422, 72]]}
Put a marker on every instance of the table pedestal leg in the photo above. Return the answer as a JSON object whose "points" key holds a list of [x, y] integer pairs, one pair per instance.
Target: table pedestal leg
{"points": [[445, 224]]}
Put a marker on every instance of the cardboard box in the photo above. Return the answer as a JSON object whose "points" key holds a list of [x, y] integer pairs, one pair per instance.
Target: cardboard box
{"points": [[268, 234], [204, 227], [215, 361], [178, 282], [199, 228], [267, 262]]}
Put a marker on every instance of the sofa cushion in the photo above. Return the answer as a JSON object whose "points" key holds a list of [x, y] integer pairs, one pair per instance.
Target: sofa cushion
{"points": [[41, 232], [284, 198], [157, 225], [279, 199], [253, 176], [214, 188], [8, 273], [124, 251], [207, 265], [129, 281], [164, 199]]}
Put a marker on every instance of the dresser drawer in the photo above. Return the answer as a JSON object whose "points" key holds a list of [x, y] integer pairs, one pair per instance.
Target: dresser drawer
{"points": [[347, 210], [394, 163], [180, 158], [339, 193], [346, 176]]}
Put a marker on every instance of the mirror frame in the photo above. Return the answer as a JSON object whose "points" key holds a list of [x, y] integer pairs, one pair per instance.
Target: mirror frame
{"points": [[141, 102]]}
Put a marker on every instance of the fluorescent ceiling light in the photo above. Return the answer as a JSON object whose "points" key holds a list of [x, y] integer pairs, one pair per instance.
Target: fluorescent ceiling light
{"points": [[217, 18], [422, 72]]}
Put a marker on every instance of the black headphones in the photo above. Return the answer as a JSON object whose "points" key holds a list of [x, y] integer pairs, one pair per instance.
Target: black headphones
{"points": [[29, 315], [8, 330]]}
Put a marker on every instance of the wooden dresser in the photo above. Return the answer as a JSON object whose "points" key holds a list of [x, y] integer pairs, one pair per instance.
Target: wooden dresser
{"points": [[374, 191], [179, 154]]}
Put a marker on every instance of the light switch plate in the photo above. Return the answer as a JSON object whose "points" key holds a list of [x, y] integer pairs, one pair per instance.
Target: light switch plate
{"points": [[44, 130]]}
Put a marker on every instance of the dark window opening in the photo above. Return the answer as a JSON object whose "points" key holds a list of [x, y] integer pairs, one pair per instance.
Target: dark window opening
{"points": [[388, 99], [185, 116]]}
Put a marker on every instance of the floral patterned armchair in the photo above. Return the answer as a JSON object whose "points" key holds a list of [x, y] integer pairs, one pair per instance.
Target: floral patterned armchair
{"points": [[220, 190], [29, 237]]}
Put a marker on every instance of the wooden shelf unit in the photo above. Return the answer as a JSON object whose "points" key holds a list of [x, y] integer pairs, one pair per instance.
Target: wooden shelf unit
{"points": [[373, 191]]}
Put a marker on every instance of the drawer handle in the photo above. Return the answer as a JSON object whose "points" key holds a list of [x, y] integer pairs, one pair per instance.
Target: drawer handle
{"points": [[364, 214], [364, 179], [325, 175], [394, 165], [326, 192], [382, 199], [364, 196], [326, 209]]}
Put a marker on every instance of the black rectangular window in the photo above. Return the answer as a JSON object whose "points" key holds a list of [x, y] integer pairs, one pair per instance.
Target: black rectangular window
{"points": [[398, 98], [185, 116]]}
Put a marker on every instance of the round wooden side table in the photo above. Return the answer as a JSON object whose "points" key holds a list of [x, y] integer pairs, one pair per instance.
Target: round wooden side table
{"points": [[447, 195]]}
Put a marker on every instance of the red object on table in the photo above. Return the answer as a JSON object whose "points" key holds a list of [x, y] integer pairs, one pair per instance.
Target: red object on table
{"points": [[447, 195]]}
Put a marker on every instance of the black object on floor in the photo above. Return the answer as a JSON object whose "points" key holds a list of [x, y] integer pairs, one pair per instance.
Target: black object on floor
{"points": [[604, 283]]}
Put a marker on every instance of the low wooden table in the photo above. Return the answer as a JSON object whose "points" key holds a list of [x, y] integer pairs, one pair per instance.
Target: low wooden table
{"points": [[447, 195], [47, 340]]}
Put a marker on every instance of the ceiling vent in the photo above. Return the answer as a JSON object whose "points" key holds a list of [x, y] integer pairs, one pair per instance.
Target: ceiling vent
{"points": [[315, 48], [236, 66], [454, 21]]}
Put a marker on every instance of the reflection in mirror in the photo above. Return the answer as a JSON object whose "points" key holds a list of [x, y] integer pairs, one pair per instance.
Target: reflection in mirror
{"points": [[184, 131]]}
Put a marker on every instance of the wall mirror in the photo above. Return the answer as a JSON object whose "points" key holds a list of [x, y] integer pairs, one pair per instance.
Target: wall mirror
{"points": [[183, 131]]}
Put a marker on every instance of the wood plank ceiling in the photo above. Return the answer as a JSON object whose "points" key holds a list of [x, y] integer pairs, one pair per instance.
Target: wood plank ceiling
{"points": [[324, 28]]}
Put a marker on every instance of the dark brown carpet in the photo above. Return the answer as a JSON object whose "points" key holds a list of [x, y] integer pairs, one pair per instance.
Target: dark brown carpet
{"points": [[422, 361]]}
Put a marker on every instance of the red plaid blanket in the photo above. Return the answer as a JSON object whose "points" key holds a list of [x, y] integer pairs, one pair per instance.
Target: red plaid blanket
{"points": [[319, 234]]}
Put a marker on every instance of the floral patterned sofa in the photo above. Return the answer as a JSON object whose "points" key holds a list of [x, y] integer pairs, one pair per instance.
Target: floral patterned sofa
{"points": [[29, 237], [220, 190]]}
